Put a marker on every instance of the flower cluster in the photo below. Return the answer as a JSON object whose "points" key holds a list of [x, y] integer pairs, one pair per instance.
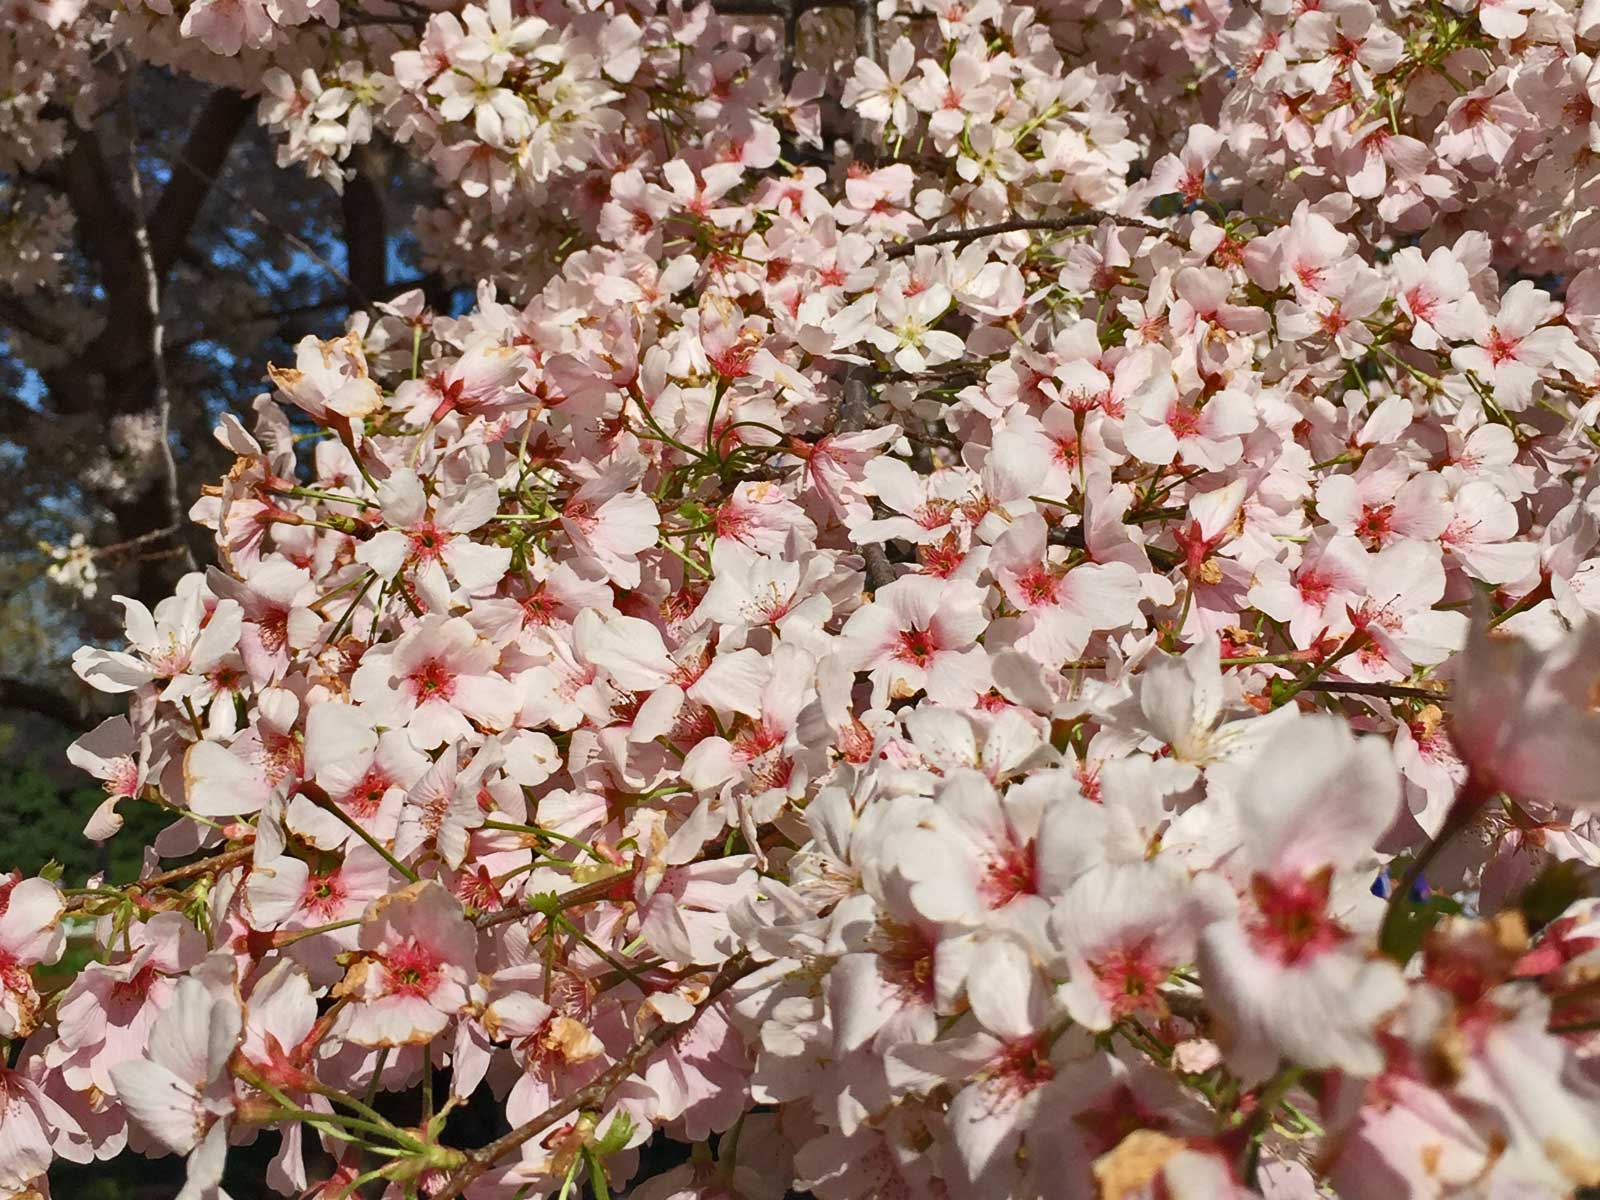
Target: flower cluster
{"points": [[949, 636], [35, 231]]}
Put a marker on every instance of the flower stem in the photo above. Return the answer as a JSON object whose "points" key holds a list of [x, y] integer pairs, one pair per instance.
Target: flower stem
{"points": [[1351, 644], [1267, 1102], [323, 801], [1464, 809]]}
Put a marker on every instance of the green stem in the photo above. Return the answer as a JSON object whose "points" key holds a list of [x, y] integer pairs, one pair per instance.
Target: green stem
{"points": [[380, 1128], [1433, 382], [305, 493], [703, 572], [344, 619], [427, 1084], [655, 425], [537, 831], [324, 802], [321, 1122], [377, 1076], [359, 1106], [616, 964], [597, 1173], [1267, 1102], [300, 934], [1351, 644], [351, 1188]]}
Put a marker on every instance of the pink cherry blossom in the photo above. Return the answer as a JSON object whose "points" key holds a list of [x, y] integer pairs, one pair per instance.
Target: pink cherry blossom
{"points": [[1512, 346], [1277, 960], [918, 634], [891, 609], [437, 681], [413, 969], [30, 910]]}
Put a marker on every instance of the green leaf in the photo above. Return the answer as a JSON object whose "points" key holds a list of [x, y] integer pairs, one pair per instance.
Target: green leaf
{"points": [[1403, 937], [1554, 890]]}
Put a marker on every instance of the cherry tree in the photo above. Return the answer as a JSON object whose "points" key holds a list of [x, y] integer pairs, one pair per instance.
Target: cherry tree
{"points": [[985, 601]]}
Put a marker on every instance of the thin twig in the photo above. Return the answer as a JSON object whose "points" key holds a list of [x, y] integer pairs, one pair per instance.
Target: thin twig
{"points": [[294, 239], [217, 863], [587, 894], [1078, 221], [1387, 690], [26, 696], [594, 1095]]}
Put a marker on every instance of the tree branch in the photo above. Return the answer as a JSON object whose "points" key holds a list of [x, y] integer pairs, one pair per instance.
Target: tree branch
{"points": [[388, 292], [16, 313], [1385, 690], [594, 1094], [216, 864], [103, 230], [855, 415], [1078, 221], [207, 148], [588, 893], [22, 696], [288, 235], [150, 269], [365, 237]]}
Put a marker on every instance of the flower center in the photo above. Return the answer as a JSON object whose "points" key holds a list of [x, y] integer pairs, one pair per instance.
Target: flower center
{"points": [[432, 681], [1013, 872], [916, 646], [412, 970], [1292, 922]]}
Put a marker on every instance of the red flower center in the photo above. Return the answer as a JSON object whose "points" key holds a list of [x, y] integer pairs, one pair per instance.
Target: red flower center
{"points": [[1012, 872], [426, 541], [916, 646], [1314, 588], [363, 799], [432, 680], [1374, 524], [412, 970], [1501, 348], [1021, 1067], [1292, 922], [324, 894], [1127, 979], [1039, 586]]}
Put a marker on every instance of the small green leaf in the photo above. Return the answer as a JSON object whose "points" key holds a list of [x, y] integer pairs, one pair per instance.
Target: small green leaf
{"points": [[616, 1136]]}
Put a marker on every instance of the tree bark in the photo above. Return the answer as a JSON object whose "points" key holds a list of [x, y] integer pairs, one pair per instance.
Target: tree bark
{"points": [[366, 235], [116, 375]]}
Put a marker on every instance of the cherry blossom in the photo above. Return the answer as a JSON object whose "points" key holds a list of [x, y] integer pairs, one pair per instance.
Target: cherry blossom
{"points": [[30, 910], [413, 968], [1277, 960], [919, 634], [912, 632]]}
